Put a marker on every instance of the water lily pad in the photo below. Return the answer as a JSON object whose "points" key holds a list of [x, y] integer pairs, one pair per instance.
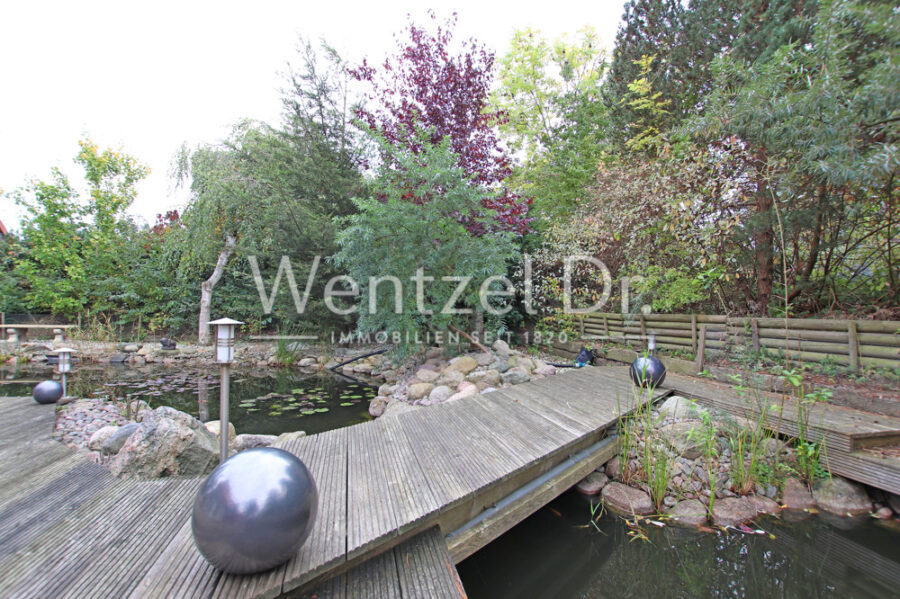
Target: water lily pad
{"points": [[321, 410], [346, 404], [307, 412]]}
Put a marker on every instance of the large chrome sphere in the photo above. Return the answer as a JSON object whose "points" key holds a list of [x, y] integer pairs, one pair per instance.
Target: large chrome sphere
{"points": [[648, 371], [254, 511], [47, 392]]}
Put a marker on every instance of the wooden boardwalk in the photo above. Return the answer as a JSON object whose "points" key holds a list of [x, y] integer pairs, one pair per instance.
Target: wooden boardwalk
{"points": [[391, 491], [847, 432]]}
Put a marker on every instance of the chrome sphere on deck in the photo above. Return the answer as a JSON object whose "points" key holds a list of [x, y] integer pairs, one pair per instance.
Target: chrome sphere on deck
{"points": [[47, 392], [648, 371], [254, 511]]}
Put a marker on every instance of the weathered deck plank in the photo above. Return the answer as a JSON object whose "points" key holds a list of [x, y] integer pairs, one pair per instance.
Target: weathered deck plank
{"points": [[325, 455], [846, 429]]}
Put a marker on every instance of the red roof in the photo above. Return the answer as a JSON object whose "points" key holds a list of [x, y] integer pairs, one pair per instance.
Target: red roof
{"points": [[3, 229]]}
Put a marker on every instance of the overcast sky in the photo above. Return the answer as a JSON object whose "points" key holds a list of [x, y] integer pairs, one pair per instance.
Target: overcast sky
{"points": [[148, 76]]}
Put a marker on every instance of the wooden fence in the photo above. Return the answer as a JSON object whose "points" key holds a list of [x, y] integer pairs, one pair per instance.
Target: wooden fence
{"points": [[851, 343]]}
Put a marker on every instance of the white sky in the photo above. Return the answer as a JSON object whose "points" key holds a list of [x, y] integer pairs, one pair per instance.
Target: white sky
{"points": [[148, 76]]}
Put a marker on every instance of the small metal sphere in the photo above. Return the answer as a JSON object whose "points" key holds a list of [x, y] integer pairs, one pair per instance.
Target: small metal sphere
{"points": [[648, 371], [254, 511], [47, 392]]}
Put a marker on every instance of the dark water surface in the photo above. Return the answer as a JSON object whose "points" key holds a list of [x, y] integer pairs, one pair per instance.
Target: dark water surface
{"points": [[554, 555], [267, 402]]}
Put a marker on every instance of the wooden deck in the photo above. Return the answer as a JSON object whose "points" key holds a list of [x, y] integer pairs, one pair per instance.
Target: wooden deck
{"points": [[847, 432], [391, 491]]}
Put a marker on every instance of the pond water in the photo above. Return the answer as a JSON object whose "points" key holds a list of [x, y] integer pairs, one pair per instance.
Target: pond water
{"points": [[557, 554], [265, 402]]}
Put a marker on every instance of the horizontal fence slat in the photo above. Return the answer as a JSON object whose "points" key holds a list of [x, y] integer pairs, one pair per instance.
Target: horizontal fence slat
{"points": [[804, 339]]}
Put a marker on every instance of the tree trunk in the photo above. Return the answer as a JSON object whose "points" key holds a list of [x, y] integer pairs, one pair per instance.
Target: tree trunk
{"points": [[206, 290], [763, 239]]}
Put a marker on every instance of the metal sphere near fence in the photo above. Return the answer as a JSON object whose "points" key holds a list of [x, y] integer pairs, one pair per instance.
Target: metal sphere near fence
{"points": [[47, 392], [254, 511], [648, 371]]}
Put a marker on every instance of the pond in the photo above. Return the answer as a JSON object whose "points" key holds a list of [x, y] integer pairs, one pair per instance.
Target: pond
{"points": [[557, 553], [263, 402]]}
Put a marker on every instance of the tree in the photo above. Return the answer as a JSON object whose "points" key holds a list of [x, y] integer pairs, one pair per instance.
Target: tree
{"points": [[550, 94], [269, 192], [410, 230], [222, 211], [70, 260], [428, 85], [822, 132]]}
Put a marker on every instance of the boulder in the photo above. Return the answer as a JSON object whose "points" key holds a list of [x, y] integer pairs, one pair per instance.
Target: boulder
{"points": [[250, 441], [514, 376], [626, 501], [764, 505], [796, 495], [377, 406], [592, 484], [612, 467], [396, 408], [490, 377], [884, 513], [101, 436], [419, 390], [679, 407], [115, 441], [462, 364], [545, 370], [450, 378], [484, 358], [465, 392], [689, 513], [524, 363], [213, 426], [501, 347], [682, 438], [732, 511], [440, 394], [307, 362], [427, 375], [838, 496], [501, 366], [386, 389], [894, 502], [167, 446]]}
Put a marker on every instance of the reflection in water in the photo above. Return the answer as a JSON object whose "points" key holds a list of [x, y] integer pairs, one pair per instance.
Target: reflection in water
{"points": [[263, 402], [552, 554]]}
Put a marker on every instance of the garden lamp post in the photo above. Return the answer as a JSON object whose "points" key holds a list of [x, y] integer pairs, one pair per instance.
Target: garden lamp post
{"points": [[225, 329], [64, 364]]}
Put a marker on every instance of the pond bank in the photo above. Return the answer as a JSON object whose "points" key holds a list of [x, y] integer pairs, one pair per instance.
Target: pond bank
{"points": [[686, 465]]}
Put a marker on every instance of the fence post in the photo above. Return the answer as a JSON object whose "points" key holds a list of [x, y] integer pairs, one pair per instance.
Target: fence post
{"points": [[754, 327], [701, 350], [853, 345], [606, 326], [643, 326], [694, 333], [581, 325]]}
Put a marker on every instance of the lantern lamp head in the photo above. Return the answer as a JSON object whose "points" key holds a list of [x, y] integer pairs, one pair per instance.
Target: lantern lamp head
{"points": [[651, 342], [64, 364], [225, 330]]}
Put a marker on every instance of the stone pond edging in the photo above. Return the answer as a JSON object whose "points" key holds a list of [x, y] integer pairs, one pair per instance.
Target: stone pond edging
{"points": [[620, 488]]}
